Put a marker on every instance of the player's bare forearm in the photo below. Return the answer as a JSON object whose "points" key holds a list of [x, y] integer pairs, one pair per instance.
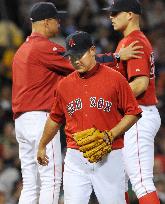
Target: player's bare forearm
{"points": [[125, 124], [139, 85], [49, 133]]}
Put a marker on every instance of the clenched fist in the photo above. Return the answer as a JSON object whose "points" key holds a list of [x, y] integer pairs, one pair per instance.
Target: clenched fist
{"points": [[42, 158]]}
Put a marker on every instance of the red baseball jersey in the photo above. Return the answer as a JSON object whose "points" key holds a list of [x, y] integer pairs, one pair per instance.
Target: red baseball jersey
{"points": [[38, 65], [98, 98], [140, 67]]}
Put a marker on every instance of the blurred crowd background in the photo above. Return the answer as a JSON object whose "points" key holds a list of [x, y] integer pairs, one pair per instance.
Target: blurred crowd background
{"points": [[84, 15]]}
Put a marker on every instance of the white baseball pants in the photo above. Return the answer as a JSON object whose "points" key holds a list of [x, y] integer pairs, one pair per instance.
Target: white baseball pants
{"points": [[106, 178], [138, 151], [41, 184]]}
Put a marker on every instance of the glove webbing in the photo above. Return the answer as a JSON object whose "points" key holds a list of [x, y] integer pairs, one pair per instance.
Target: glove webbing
{"points": [[93, 151], [86, 138], [91, 145], [99, 155]]}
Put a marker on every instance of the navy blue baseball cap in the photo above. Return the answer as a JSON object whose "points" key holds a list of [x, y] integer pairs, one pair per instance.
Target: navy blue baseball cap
{"points": [[45, 10], [78, 43], [125, 5]]}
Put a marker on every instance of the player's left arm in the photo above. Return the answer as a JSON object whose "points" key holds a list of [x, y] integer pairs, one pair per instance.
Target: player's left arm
{"points": [[125, 124], [139, 85], [139, 71], [129, 104]]}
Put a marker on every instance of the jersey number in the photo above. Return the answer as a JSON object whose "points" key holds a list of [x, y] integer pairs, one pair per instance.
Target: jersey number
{"points": [[100, 104], [152, 62]]}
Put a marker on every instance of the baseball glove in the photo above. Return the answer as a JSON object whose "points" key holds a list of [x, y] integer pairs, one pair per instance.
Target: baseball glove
{"points": [[94, 144]]}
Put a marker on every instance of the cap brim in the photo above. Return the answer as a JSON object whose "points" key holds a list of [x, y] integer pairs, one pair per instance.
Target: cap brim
{"points": [[74, 53], [110, 9], [62, 14], [105, 9]]}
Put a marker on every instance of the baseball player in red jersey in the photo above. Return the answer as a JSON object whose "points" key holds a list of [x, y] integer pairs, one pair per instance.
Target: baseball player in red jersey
{"points": [[139, 140], [93, 95], [37, 67]]}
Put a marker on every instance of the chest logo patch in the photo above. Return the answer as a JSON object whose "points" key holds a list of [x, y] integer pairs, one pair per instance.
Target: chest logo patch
{"points": [[94, 102], [74, 106]]}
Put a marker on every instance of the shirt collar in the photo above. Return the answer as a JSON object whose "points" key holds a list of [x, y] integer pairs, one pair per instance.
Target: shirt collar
{"points": [[35, 34], [89, 73]]}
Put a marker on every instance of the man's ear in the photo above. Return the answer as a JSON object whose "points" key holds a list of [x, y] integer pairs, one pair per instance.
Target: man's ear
{"points": [[93, 50], [46, 22], [130, 15]]}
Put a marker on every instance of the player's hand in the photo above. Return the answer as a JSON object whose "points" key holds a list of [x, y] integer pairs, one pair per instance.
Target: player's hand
{"points": [[131, 51], [42, 158]]}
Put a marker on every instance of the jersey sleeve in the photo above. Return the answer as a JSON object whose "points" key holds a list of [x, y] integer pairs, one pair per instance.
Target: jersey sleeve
{"points": [[127, 103], [138, 67], [53, 59], [57, 113], [106, 59]]}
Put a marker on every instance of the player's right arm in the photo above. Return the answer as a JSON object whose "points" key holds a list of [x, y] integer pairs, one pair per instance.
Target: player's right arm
{"points": [[53, 123], [49, 133], [51, 56], [128, 106], [125, 53]]}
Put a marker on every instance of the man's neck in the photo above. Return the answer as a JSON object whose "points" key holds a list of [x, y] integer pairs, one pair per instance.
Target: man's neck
{"points": [[130, 28], [40, 31], [93, 64]]}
